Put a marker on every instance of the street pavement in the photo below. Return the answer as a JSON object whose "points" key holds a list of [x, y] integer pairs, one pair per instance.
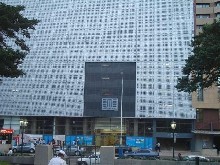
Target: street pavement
{"points": [[163, 154], [169, 153]]}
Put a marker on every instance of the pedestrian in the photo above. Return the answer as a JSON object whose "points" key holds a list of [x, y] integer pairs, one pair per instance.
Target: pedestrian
{"points": [[53, 142], [74, 142], [59, 159], [40, 141], [10, 152], [158, 147], [180, 158], [218, 149]]}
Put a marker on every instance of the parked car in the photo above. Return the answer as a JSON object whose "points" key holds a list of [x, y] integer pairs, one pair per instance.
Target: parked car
{"points": [[193, 158], [142, 153], [70, 149], [27, 147], [74, 150], [92, 159], [123, 148]]}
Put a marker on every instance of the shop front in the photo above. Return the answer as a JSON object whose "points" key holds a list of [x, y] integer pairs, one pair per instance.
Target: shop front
{"points": [[5, 139]]}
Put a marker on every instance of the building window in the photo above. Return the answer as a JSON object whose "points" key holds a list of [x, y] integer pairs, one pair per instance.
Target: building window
{"points": [[202, 16], [199, 26], [199, 115], [218, 15], [200, 96], [202, 5], [217, 4]]}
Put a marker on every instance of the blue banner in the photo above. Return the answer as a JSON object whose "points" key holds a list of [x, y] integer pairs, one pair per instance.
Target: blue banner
{"points": [[79, 140], [47, 138], [138, 141]]}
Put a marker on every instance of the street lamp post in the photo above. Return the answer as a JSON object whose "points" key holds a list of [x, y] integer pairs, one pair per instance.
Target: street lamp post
{"points": [[173, 127], [23, 124], [122, 86]]}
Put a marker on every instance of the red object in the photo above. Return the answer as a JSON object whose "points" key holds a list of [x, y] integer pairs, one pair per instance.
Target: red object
{"points": [[6, 131]]}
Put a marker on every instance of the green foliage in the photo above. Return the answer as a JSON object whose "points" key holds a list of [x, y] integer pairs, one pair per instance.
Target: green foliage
{"points": [[4, 163], [9, 61], [13, 27], [202, 69]]}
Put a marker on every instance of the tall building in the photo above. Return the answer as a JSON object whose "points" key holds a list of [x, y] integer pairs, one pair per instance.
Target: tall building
{"points": [[207, 101], [104, 66]]}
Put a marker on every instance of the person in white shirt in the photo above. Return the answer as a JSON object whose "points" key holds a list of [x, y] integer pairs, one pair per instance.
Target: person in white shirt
{"points": [[10, 152], [59, 160]]}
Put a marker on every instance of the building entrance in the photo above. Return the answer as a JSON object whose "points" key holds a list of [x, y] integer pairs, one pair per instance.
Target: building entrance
{"points": [[216, 142], [109, 137]]}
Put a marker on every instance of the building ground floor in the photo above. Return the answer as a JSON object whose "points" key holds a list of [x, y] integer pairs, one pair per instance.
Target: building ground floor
{"points": [[206, 139], [108, 131]]}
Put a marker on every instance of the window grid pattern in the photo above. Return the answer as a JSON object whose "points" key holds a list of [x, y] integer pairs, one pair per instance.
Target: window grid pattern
{"points": [[154, 34]]}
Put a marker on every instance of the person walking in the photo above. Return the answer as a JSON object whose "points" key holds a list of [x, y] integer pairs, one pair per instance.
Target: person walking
{"points": [[180, 158], [59, 160], [158, 146]]}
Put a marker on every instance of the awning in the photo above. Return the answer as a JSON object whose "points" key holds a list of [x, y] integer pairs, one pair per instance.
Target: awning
{"points": [[206, 132]]}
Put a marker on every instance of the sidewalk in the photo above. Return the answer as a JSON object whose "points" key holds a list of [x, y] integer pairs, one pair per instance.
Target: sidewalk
{"points": [[183, 153], [169, 153]]}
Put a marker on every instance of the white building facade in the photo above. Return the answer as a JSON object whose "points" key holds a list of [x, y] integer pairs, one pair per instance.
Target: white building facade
{"points": [[154, 34]]}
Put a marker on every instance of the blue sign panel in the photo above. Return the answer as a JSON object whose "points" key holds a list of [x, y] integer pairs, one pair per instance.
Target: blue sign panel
{"points": [[88, 140], [138, 141], [47, 138], [79, 140], [70, 140]]}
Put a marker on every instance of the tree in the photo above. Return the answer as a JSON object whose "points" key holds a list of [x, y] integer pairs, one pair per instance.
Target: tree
{"points": [[13, 29], [202, 69]]}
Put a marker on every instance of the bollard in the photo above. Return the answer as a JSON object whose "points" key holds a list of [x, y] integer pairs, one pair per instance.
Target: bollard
{"points": [[197, 160]]}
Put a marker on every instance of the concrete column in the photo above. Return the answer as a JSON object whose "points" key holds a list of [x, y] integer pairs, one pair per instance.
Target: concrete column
{"points": [[154, 132], [43, 154], [135, 127], [108, 155], [92, 126], [34, 126], [67, 126], [85, 126], [193, 139]]}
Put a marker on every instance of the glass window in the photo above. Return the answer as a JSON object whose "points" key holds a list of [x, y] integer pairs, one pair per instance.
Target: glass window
{"points": [[218, 15], [199, 115], [202, 5], [202, 16], [200, 26]]}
